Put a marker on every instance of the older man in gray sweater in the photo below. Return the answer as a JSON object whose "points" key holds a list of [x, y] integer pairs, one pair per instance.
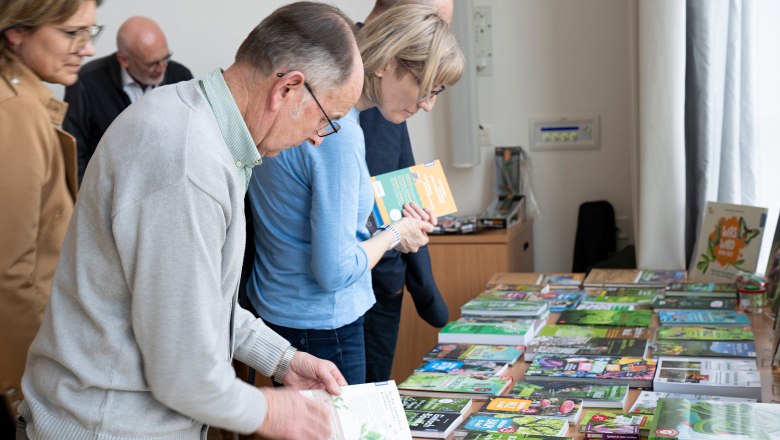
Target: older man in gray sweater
{"points": [[143, 324]]}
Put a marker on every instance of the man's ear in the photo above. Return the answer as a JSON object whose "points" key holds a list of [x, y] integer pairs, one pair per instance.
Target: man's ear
{"points": [[122, 59], [288, 85]]}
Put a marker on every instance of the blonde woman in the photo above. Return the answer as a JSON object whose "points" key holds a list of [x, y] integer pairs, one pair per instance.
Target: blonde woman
{"points": [[311, 278], [40, 40]]}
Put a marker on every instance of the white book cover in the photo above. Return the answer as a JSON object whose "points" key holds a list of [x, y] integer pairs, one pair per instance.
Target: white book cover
{"points": [[729, 241], [365, 411]]}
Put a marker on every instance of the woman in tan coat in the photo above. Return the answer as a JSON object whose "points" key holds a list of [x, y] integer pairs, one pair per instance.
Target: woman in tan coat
{"points": [[40, 40]]}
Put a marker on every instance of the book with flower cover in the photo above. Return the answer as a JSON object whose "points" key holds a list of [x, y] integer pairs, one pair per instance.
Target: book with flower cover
{"points": [[728, 242], [635, 372], [702, 290], [705, 333], [513, 424], [592, 395], [703, 317], [682, 303], [453, 386], [679, 419], [617, 318], [477, 369], [507, 436], [476, 352], [647, 401], [534, 406], [423, 184]]}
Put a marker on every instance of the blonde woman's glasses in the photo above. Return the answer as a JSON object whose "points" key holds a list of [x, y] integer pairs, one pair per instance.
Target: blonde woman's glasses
{"points": [[80, 37]]}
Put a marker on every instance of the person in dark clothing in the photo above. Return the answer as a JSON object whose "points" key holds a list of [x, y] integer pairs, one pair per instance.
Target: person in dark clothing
{"points": [[108, 85], [388, 148]]}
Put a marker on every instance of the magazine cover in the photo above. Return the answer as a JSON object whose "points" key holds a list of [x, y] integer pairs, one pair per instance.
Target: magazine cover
{"points": [[729, 241]]}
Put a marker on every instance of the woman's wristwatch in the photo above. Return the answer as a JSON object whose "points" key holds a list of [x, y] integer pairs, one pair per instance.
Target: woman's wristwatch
{"points": [[392, 230]]}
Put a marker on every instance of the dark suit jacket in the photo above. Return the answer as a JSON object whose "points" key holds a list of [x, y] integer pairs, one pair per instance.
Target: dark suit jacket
{"points": [[97, 98]]}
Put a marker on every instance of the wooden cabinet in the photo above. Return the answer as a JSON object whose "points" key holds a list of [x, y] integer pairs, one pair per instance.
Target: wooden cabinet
{"points": [[462, 264]]}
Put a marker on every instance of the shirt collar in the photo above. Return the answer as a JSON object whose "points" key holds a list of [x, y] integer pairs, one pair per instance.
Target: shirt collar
{"points": [[234, 130], [23, 78]]}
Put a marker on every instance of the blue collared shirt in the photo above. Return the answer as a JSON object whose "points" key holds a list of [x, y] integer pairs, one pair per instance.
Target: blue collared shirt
{"points": [[231, 123]]}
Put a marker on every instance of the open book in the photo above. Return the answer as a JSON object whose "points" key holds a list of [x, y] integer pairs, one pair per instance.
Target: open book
{"points": [[365, 411], [423, 184]]}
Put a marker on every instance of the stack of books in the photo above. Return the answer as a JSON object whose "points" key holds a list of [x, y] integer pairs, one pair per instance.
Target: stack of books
{"points": [[433, 417]]}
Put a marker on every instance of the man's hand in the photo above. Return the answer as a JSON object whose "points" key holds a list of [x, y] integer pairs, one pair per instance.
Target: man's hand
{"points": [[308, 372], [291, 416]]}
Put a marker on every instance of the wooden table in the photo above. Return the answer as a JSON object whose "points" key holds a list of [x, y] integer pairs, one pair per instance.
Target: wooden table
{"points": [[762, 328]]}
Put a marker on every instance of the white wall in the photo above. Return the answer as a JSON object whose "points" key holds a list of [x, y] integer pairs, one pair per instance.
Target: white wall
{"points": [[550, 57]]}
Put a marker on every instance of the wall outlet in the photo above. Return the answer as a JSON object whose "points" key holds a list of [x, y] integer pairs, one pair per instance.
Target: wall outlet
{"points": [[485, 135], [623, 224]]}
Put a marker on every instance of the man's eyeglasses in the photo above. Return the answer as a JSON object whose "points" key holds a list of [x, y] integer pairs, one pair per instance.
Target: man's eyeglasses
{"points": [[329, 128], [164, 60], [406, 66], [80, 37]]}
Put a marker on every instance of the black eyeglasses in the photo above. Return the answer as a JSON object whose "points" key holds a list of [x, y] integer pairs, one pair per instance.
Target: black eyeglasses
{"points": [[164, 60], [408, 67], [80, 37], [327, 129]]}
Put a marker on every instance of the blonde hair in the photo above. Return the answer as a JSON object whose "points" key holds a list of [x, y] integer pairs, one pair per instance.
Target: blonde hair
{"points": [[416, 35], [32, 14]]}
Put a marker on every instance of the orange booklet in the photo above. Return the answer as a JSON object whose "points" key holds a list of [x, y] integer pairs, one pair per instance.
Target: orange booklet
{"points": [[424, 184]]}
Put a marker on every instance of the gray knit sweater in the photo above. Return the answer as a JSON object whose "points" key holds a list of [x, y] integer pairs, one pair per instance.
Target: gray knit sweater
{"points": [[138, 339]]}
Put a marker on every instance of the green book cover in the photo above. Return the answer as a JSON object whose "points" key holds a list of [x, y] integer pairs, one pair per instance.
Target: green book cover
{"points": [[668, 347], [585, 345], [647, 402], [598, 395], [523, 308], [455, 384], [623, 295], [694, 303], [505, 328], [513, 423], [505, 436], [618, 318], [510, 295], [705, 333], [603, 421], [679, 419], [476, 352], [594, 332], [435, 404]]}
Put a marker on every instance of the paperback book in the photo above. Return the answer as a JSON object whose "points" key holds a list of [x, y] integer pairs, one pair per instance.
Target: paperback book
{"points": [[585, 345], [702, 290], [510, 295], [476, 352], [720, 377], [626, 296], [433, 424], [683, 303], [598, 277], [679, 419], [592, 395], [634, 372], [647, 401], [600, 423], [482, 307], [513, 423], [595, 332], [570, 280], [703, 317], [435, 404], [562, 299], [636, 318], [729, 349], [515, 279], [453, 386], [729, 241], [660, 278], [505, 333], [534, 406], [705, 333], [505, 436], [370, 410], [604, 306], [476, 369], [423, 184]]}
